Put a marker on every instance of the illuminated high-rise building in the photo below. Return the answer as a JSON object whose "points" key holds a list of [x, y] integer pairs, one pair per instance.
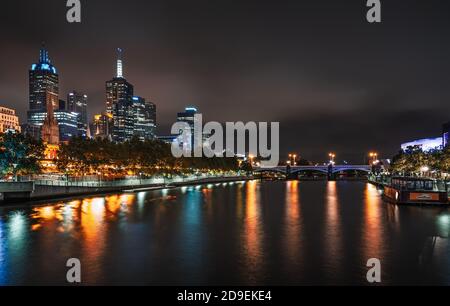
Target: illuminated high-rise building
{"points": [[77, 103], [144, 119], [43, 100], [43, 89], [189, 116], [119, 104]]}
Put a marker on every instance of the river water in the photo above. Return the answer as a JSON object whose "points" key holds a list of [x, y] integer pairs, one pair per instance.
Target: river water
{"points": [[243, 233]]}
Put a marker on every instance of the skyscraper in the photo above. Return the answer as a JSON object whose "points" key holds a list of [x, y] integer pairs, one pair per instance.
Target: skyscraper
{"points": [[144, 119], [43, 89], [119, 103], [188, 116], [68, 122], [43, 98], [77, 102]]}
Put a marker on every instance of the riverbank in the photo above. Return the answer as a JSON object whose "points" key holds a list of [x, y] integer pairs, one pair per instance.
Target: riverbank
{"points": [[86, 191]]}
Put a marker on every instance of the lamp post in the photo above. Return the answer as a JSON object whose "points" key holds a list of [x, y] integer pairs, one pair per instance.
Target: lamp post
{"points": [[373, 157], [250, 157], [14, 172], [332, 157]]}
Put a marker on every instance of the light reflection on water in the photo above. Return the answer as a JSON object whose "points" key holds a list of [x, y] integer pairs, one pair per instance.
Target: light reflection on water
{"points": [[246, 233]]}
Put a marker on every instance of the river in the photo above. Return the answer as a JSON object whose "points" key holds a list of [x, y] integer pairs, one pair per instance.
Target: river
{"points": [[243, 233]]}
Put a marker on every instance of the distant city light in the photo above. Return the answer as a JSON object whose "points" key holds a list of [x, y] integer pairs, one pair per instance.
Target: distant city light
{"points": [[426, 144]]}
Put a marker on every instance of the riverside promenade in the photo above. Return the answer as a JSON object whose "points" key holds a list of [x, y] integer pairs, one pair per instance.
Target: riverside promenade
{"points": [[43, 188]]}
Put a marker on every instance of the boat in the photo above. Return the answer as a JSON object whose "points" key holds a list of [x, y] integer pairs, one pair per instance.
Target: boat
{"points": [[416, 191]]}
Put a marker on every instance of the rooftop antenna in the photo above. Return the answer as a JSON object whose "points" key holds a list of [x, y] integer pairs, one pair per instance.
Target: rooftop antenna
{"points": [[119, 63], [43, 54]]}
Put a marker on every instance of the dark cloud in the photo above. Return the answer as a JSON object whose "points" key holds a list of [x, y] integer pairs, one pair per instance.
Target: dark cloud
{"points": [[334, 81]]}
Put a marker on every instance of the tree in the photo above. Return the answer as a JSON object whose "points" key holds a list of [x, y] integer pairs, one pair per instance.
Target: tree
{"points": [[20, 154]]}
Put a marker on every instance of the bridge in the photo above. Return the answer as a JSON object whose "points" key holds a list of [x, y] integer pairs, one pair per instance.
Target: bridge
{"points": [[329, 170]]}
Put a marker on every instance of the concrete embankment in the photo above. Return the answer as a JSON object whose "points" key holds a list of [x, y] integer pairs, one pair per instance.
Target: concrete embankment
{"points": [[48, 193]]}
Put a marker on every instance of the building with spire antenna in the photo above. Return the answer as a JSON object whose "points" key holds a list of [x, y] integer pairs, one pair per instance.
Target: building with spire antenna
{"points": [[43, 96], [119, 103]]}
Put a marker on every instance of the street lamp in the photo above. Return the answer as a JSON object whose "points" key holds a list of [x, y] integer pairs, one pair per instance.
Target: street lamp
{"points": [[332, 156], [373, 158], [251, 159], [14, 172]]}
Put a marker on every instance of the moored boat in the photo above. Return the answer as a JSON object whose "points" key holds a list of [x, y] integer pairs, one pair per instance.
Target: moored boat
{"points": [[416, 191]]}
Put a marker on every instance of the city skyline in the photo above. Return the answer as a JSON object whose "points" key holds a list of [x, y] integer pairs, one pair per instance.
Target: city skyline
{"points": [[240, 64], [225, 151]]}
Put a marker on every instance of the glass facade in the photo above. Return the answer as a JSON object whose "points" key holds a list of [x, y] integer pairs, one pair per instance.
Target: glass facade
{"points": [[77, 102], [43, 84], [67, 122], [144, 119]]}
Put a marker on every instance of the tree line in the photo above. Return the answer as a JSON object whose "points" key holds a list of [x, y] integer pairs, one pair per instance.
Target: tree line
{"points": [[22, 155], [135, 157], [415, 161]]}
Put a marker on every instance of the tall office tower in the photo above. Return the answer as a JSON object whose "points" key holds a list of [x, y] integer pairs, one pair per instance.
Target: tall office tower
{"points": [[77, 103], [43, 90], [9, 121], [188, 116], [144, 119], [119, 103], [68, 122]]}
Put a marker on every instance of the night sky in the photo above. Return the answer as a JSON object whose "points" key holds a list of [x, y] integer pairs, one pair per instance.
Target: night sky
{"points": [[332, 80]]}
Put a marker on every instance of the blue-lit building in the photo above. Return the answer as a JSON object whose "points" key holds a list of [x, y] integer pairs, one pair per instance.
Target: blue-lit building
{"points": [[43, 88], [43, 99]]}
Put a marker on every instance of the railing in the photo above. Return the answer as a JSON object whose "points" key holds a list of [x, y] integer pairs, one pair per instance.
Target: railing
{"points": [[101, 182]]}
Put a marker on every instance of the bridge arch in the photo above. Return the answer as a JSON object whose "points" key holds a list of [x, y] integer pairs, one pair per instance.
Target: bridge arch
{"points": [[309, 170], [347, 169], [277, 170]]}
